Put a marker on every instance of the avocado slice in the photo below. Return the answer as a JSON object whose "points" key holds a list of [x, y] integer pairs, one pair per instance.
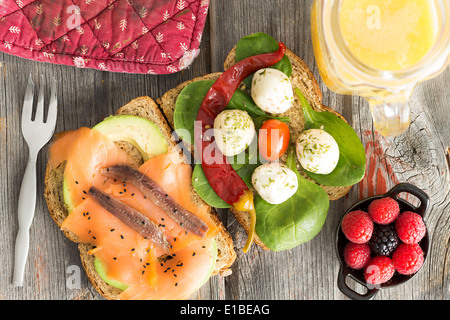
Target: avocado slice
{"points": [[66, 197], [213, 264], [102, 272], [141, 133]]}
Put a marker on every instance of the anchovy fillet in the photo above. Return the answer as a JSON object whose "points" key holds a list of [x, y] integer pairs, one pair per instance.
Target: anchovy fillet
{"points": [[132, 218], [186, 219]]}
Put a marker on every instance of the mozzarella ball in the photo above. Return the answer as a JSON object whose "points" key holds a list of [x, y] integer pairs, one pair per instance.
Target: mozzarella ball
{"points": [[275, 182], [234, 130], [272, 91], [317, 151]]}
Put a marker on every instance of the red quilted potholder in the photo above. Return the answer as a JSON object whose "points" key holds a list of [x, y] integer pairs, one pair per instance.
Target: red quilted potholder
{"points": [[135, 36]]}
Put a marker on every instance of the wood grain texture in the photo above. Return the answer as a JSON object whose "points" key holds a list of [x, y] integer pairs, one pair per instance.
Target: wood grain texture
{"points": [[306, 272]]}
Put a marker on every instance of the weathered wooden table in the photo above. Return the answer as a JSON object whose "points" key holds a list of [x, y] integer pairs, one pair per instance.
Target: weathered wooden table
{"points": [[306, 272]]}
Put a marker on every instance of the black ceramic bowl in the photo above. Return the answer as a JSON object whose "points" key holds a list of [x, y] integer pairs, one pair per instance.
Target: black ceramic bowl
{"points": [[341, 241]]}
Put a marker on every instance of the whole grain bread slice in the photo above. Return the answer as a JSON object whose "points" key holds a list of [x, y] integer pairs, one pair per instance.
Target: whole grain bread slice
{"points": [[302, 78], [144, 107]]}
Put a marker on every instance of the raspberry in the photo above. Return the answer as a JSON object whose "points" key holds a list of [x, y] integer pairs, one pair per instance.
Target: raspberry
{"points": [[408, 258], [356, 255], [384, 210], [379, 270], [384, 239], [410, 227], [357, 226]]}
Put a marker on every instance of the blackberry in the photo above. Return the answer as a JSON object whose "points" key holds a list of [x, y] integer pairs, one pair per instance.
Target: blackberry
{"points": [[384, 239]]}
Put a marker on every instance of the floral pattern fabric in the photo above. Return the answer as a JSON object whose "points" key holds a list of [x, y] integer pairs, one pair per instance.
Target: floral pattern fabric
{"points": [[134, 36]]}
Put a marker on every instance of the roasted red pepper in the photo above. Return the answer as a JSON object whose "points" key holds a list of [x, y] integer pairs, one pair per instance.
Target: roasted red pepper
{"points": [[221, 176]]}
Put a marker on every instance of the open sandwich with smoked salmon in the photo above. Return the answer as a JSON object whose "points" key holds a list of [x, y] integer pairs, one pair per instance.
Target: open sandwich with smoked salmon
{"points": [[122, 191]]}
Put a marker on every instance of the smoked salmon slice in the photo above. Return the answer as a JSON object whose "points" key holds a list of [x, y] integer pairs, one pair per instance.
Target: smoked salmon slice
{"points": [[179, 276], [125, 255]]}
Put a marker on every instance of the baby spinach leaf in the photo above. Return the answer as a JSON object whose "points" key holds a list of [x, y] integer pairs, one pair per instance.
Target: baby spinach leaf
{"points": [[295, 221], [186, 108], [259, 43], [191, 97], [243, 101], [350, 168]]}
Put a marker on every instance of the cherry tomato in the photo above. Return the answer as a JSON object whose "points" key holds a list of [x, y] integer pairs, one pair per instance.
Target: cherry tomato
{"points": [[273, 139]]}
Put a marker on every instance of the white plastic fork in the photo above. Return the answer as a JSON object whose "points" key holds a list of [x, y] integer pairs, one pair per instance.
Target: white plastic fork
{"points": [[36, 134]]}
